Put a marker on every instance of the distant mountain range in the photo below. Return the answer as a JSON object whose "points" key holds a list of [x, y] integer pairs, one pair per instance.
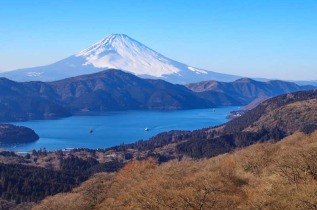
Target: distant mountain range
{"points": [[26, 101], [117, 90], [309, 82], [118, 51], [246, 90], [106, 90]]}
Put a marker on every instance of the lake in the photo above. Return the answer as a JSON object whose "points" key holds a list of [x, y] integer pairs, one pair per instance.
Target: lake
{"points": [[114, 128]]}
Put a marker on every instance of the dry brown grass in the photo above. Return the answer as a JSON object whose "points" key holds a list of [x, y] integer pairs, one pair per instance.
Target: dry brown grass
{"points": [[262, 176], [298, 113]]}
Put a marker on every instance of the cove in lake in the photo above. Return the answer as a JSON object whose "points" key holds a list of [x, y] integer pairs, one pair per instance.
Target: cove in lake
{"points": [[115, 128]]}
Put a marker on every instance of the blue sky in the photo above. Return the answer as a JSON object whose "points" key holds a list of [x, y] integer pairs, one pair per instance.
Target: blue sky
{"points": [[254, 38]]}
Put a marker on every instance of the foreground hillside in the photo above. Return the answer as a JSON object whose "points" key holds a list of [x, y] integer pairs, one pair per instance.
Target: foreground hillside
{"points": [[279, 175]]}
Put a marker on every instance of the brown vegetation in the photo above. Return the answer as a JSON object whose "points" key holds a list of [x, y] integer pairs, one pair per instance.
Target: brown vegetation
{"points": [[299, 113], [282, 175]]}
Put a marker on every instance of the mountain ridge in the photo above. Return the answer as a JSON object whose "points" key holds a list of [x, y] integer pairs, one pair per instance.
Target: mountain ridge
{"points": [[106, 90], [246, 90], [110, 90]]}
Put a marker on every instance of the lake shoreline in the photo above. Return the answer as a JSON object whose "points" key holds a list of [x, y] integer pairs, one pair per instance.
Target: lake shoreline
{"points": [[116, 127]]}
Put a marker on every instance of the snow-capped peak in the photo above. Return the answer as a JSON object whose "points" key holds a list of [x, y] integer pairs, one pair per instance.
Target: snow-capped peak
{"points": [[122, 52], [118, 51]]}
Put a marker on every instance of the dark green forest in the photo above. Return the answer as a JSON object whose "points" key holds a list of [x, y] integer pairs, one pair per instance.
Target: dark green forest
{"points": [[30, 184]]}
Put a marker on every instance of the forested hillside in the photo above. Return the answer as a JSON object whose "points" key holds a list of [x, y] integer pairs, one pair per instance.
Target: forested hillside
{"points": [[11, 134], [263, 176]]}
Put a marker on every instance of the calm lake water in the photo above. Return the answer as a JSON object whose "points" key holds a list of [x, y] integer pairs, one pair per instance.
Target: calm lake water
{"points": [[114, 128]]}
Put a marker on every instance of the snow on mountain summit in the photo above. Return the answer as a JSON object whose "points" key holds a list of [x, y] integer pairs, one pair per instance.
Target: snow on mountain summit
{"points": [[122, 52], [118, 51]]}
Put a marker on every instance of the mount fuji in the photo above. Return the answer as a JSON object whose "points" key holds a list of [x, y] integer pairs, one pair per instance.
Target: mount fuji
{"points": [[118, 51]]}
